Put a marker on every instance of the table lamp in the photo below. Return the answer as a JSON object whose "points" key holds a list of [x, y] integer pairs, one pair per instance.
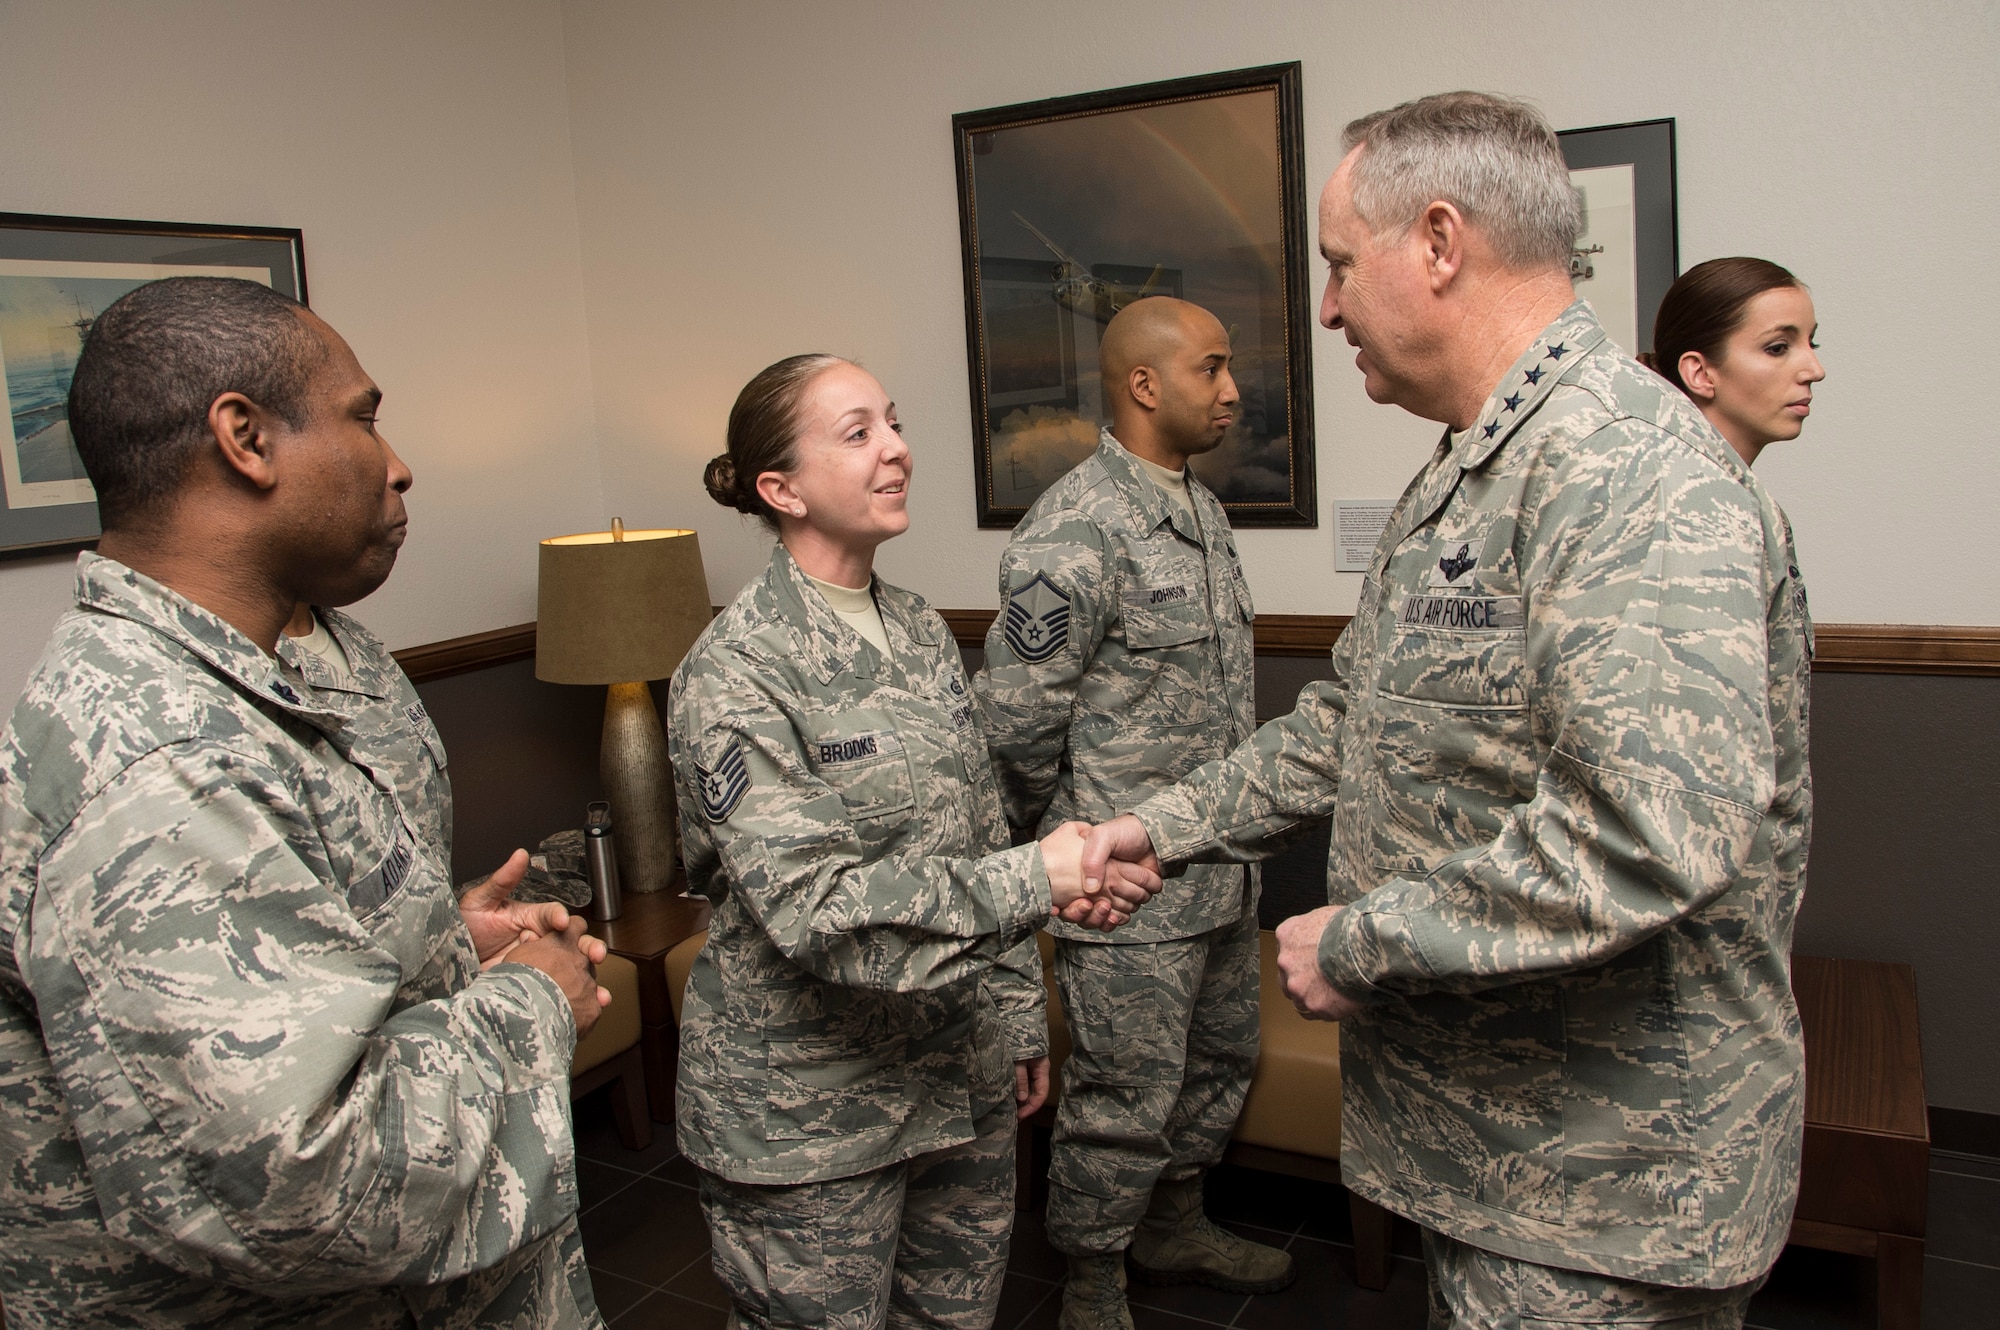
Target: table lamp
{"points": [[619, 608]]}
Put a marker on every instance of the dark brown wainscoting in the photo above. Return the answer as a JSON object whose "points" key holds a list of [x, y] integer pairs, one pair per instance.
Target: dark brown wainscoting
{"points": [[460, 655], [1844, 648]]}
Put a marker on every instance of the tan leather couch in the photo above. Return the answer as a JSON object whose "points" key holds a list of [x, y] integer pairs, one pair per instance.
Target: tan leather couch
{"points": [[610, 1053]]}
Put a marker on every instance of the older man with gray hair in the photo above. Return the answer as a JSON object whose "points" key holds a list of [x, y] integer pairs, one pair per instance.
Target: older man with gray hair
{"points": [[1565, 748]]}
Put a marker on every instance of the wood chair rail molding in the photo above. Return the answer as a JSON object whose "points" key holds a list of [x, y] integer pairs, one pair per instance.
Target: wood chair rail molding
{"points": [[1843, 648]]}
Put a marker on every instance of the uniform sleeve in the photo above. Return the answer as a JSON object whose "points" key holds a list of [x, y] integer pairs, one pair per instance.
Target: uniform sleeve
{"points": [[251, 1111], [1022, 998], [1647, 640], [796, 857], [1057, 599], [1239, 808]]}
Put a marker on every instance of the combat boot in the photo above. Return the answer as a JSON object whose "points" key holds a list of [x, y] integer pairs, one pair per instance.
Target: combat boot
{"points": [[1178, 1244], [1094, 1294]]}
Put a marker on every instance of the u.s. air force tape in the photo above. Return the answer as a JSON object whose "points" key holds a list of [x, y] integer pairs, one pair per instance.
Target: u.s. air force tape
{"points": [[724, 785], [1037, 619], [1462, 612]]}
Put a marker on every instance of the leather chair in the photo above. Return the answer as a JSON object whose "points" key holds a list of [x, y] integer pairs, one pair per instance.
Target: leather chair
{"points": [[610, 1053]]}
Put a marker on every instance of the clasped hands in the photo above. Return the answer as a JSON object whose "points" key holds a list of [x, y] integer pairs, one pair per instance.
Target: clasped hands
{"points": [[543, 935], [1119, 871]]}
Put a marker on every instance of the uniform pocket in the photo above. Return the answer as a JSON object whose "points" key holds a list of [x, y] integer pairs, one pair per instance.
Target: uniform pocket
{"points": [[869, 766], [817, 1087], [1464, 666], [1161, 682], [1172, 623]]}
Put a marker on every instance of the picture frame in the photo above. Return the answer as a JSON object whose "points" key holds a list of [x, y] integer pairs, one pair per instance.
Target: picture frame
{"points": [[1072, 207], [1629, 252], [56, 275]]}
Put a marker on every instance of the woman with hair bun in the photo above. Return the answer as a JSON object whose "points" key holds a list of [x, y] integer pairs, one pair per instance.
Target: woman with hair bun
{"points": [[865, 1021], [1736, 336]]}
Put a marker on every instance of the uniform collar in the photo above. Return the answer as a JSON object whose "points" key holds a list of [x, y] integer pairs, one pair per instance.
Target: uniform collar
{"points": [[1154, 508], [825, 643], [366, 672], [1549, 358], [109, 587]]}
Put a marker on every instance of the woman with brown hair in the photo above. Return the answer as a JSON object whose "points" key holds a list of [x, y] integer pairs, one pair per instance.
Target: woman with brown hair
{"points": [[1736, 335], [865, 1021]]}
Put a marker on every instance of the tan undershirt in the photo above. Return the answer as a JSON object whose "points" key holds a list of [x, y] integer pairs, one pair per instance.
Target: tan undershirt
{"points": [[1173, 484], [326, 646], [856, 607]]}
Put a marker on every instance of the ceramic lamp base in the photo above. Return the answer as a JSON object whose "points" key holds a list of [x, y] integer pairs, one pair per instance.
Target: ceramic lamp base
{"points": [[638, 783]]}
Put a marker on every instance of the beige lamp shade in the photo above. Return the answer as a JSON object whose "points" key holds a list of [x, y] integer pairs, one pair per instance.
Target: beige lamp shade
{"points": [[617, 610]]}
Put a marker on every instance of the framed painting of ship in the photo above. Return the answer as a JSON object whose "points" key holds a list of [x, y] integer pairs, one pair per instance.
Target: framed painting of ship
{"points": [[57, 274], [1071, 209]]}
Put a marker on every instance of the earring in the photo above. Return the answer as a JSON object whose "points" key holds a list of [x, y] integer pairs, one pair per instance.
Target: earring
{"points": [[799, 511]]}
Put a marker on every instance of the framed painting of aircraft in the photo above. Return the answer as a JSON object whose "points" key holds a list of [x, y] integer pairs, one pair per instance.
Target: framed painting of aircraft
{"points": [[1629, 252], [57, 274], [1071, 209]]}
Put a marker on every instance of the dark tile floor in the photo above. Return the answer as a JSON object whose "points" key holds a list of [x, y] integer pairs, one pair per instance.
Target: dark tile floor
{"points": [[648, 1253]]}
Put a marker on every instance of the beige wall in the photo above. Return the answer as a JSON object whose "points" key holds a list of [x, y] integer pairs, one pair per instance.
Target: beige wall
{"points": [[425, 151], [757, 179], [760, 179]]}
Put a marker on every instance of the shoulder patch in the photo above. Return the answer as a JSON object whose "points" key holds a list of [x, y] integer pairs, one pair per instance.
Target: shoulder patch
{"points": [[1037, 619], [724, 785]]}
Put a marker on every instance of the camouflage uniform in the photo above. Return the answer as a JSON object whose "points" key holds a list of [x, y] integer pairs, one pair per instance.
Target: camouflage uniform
{"points": [[1567, 731], [870, 973], [1472, 1288], [254, 1076], [1122, 661]]}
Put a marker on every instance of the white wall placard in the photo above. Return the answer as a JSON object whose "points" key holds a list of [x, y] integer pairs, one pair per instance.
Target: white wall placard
{"points": [[1357, 528]]}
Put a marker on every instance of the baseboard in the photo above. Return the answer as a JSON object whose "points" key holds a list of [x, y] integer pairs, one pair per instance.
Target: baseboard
{"points": [[1962, 1131], [1843, 648]]}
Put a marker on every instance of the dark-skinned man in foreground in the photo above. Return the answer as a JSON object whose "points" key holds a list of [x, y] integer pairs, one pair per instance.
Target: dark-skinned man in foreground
{"points": [[1121, 662], [261, 1067], [1564, 746]]}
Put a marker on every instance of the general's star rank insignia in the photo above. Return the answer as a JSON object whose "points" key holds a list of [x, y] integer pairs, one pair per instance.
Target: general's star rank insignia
{"points": [[723, 786], [1037, 619]]}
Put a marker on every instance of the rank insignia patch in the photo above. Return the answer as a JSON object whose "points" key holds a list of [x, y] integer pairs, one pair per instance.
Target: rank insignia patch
{"points": [[723, 787], [1037, 620]]}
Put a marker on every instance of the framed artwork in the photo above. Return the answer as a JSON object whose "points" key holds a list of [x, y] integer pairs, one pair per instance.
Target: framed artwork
{"points": [[1070, 209], [57, 274], [1629, 252]]}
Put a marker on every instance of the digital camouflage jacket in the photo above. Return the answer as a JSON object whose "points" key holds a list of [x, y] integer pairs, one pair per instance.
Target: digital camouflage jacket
{"points": [[1565, 751], [870, 968], [253, 1074], [1121, 660]]}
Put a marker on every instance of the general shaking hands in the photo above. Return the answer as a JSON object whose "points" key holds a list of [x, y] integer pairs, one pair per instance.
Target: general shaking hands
{"points": [[1103, 900], [1123, 846]]}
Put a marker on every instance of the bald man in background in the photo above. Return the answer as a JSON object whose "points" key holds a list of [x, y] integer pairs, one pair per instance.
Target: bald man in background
{"points": [[1121, 662]]}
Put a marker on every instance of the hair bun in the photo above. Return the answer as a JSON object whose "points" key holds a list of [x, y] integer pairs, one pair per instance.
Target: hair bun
{"points": [[720, 480]]}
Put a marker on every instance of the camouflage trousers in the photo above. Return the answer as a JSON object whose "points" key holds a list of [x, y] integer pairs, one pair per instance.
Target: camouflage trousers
{"points": [[1471, 1289], [919, 1243], [1163, 1039]]}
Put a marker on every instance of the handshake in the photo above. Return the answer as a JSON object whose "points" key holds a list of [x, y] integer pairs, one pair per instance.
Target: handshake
{"points": [[1099, 875]]}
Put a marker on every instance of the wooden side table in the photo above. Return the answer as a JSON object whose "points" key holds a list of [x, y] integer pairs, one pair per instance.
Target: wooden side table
{"points": [[646, 929], [1864, 1181]]}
